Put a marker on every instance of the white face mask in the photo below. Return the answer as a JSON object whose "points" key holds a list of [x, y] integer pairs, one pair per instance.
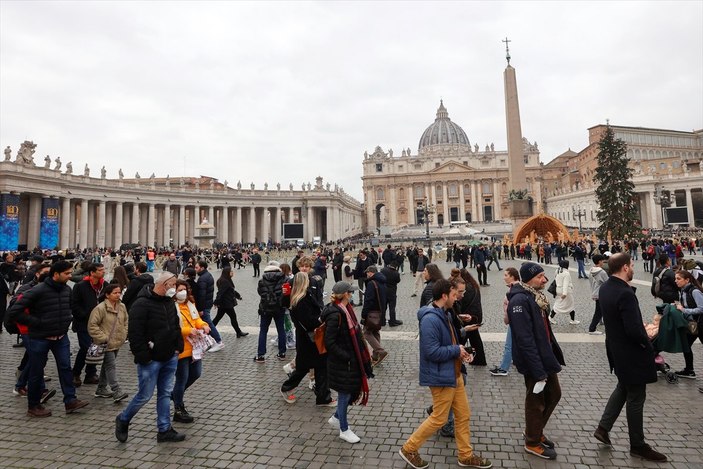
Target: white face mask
{"points": [[181, 296], [171, 292]]}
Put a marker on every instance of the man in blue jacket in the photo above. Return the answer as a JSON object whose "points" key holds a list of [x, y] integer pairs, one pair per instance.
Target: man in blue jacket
{"points": [[204, 299], [536, 355], [440, 364]]}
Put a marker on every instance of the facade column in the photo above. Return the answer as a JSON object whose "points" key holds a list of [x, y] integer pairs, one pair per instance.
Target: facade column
{"points": [[410, 204], [476, 206], [167, 226], [134, 236], [34, 220], [211, 215], [225, 225], [654, 211], [252, 225], [181, 225], [65, 223], [462, 202], [119, 212], [100, 224], [392, 208], [311, 223], [689, 208], [84, 225], [445, 204], [151, 226], [497, 198], [237, 224]]}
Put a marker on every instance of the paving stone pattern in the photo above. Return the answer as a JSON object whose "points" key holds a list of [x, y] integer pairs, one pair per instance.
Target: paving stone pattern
{"points": [[242, 421]]}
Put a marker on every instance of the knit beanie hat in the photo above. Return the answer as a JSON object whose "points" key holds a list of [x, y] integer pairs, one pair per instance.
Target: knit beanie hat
{"points": [[529, 270]]}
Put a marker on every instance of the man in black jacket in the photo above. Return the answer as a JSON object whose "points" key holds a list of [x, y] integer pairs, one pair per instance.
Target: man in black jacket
{"points": [[85, 299], [630, 355], [337, 263], [49, 307], [392, 281], [270, 290], [537, 356], [255, 259], [136, 284], [668, 292], [155, 341], [362, 262]]}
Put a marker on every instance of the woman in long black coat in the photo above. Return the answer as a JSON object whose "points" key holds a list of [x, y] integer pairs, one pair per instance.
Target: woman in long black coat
{"points": [[470, 304], [226, 300], [348, 360], [305, 313]]}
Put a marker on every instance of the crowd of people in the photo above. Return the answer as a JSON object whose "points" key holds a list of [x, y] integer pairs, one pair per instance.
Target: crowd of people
{"points": [[163, 310]]}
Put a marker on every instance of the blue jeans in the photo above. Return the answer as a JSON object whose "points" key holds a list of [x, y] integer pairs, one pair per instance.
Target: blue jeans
{"points": [[581, 268], [159, 375], [265, 322], [149, 266], [507, 352], [84, 341], [341, 412], [23, 378], [38, 350], [187, 373], [213, 330]]}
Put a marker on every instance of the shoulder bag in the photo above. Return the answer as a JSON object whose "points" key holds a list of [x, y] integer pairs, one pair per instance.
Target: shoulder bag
{"points": [[96, 352], [374, 318]]}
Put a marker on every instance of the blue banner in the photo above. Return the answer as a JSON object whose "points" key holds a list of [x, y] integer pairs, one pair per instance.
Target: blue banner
{"points": [[9, 222], [49, 232]]}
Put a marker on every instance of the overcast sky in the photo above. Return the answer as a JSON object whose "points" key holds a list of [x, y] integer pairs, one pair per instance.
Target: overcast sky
{"points": [[283, 92]]}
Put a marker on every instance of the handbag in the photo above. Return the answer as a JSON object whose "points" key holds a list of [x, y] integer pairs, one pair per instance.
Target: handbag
{"points": [[319, 338], [96, 352], [693, 328], [374, 319], [553, 288]]}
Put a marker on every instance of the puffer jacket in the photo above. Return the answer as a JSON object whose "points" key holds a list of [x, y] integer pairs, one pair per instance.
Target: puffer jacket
{"points": [[85, 299], [375, 296], [271, 285], [536, 352], [135, 287], [343, 371], [189, 319], [49, 306], [154, 319], [438, 355], [204, 294], [101, 321]]}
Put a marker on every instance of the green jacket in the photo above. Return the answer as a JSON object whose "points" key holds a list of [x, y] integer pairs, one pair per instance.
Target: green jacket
{"points": [[673, 332]]}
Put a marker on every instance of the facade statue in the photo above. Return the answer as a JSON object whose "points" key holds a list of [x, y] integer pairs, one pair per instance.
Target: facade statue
{"points": [[309, 186], [26, 153], [197, 185], [168, 181], [327, 186], [390, 152], [366, 154], [403, 154], [137, 176], [266, 186], [86, 170], [225, 185], [103, 173], [492, 148], [182, 182], [239, 185], [69, 168], [8, 153], [57, 162], [47, 162], [252, 186], [120, 174], [685, 168], [290, 186], [278, 186], [475, 147], [487, 148], [152, 176], [700, 166], [303, 186], [408, 151], [336, 187]]}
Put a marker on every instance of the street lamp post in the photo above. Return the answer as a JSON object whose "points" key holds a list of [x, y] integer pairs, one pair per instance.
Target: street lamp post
{"points": [[578, 212], [427, 211], [663, 199]]}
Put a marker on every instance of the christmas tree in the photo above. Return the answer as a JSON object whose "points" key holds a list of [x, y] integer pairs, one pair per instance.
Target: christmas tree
{"points": [[615, 190]]}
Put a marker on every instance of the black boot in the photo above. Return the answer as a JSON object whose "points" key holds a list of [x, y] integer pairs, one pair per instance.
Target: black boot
{"points": [[182, 415]]}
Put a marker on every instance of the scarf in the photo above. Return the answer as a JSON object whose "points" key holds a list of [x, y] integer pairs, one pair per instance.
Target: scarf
{"points": [[542, 303], [362, 354]]}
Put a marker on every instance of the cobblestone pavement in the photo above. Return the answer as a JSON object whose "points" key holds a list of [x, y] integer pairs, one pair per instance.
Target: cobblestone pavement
{"points": [[242, 421]]}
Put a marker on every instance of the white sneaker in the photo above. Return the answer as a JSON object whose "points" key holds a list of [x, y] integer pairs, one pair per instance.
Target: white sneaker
{"points": [[217, 347], [596, 333], [334, 422], [573, 322], [349, 436], [288, 369]]}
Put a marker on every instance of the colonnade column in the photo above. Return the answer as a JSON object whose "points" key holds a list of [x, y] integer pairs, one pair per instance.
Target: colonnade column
{"points": [[237, 225], [65, 223], [84, 225], [151, 226], [225, 225], [211, 215], [462, 202], [100, 238], [445, 204], [311, 223], [134, 238], [119, 212], [34, 220], [393, 218], [181, 225], [277, 225], [167, 226]]}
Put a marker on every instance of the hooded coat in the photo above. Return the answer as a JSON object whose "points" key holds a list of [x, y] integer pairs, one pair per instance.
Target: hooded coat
{"points": [[343, 371]]}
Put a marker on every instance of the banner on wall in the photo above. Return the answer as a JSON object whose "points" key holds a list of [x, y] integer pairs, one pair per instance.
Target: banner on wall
{"points": [[49, 231], [9, 222]]}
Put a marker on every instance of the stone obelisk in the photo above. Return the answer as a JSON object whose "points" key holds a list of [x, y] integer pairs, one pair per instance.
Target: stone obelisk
{"points": [[519, 209]]}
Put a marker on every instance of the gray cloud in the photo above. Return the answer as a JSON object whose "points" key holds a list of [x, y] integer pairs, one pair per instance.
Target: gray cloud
{"points": [[283, 92]]}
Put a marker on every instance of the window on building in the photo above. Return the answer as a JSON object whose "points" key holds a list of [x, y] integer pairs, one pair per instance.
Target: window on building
{"points": [[502, 162], [436, 165], [487, 188], [379, 167], [453, 214], [466, 163], [485, 162], [419, 192], [400, 168], [417, 166], [526, 159], [401, 194], [380, 194], [453, 191]]}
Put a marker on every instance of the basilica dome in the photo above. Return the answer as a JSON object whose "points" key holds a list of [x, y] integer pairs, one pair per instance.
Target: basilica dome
{"points": [[443, 131]]}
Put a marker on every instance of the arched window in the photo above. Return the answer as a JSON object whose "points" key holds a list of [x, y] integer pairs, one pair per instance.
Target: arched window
{"points": [[401, 194], [438, 192], [504, 188], [380, 194]]}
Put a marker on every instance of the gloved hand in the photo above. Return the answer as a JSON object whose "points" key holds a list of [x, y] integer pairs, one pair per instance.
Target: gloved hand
{"points": [[539, 386]]}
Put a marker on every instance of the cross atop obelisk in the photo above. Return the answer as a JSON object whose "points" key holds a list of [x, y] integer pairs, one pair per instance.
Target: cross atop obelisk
{"points": [[507, 49]]}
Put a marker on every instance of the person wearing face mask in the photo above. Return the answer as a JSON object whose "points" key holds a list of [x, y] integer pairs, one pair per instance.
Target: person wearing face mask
{"points": [[189, 369], [155, 340]]}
